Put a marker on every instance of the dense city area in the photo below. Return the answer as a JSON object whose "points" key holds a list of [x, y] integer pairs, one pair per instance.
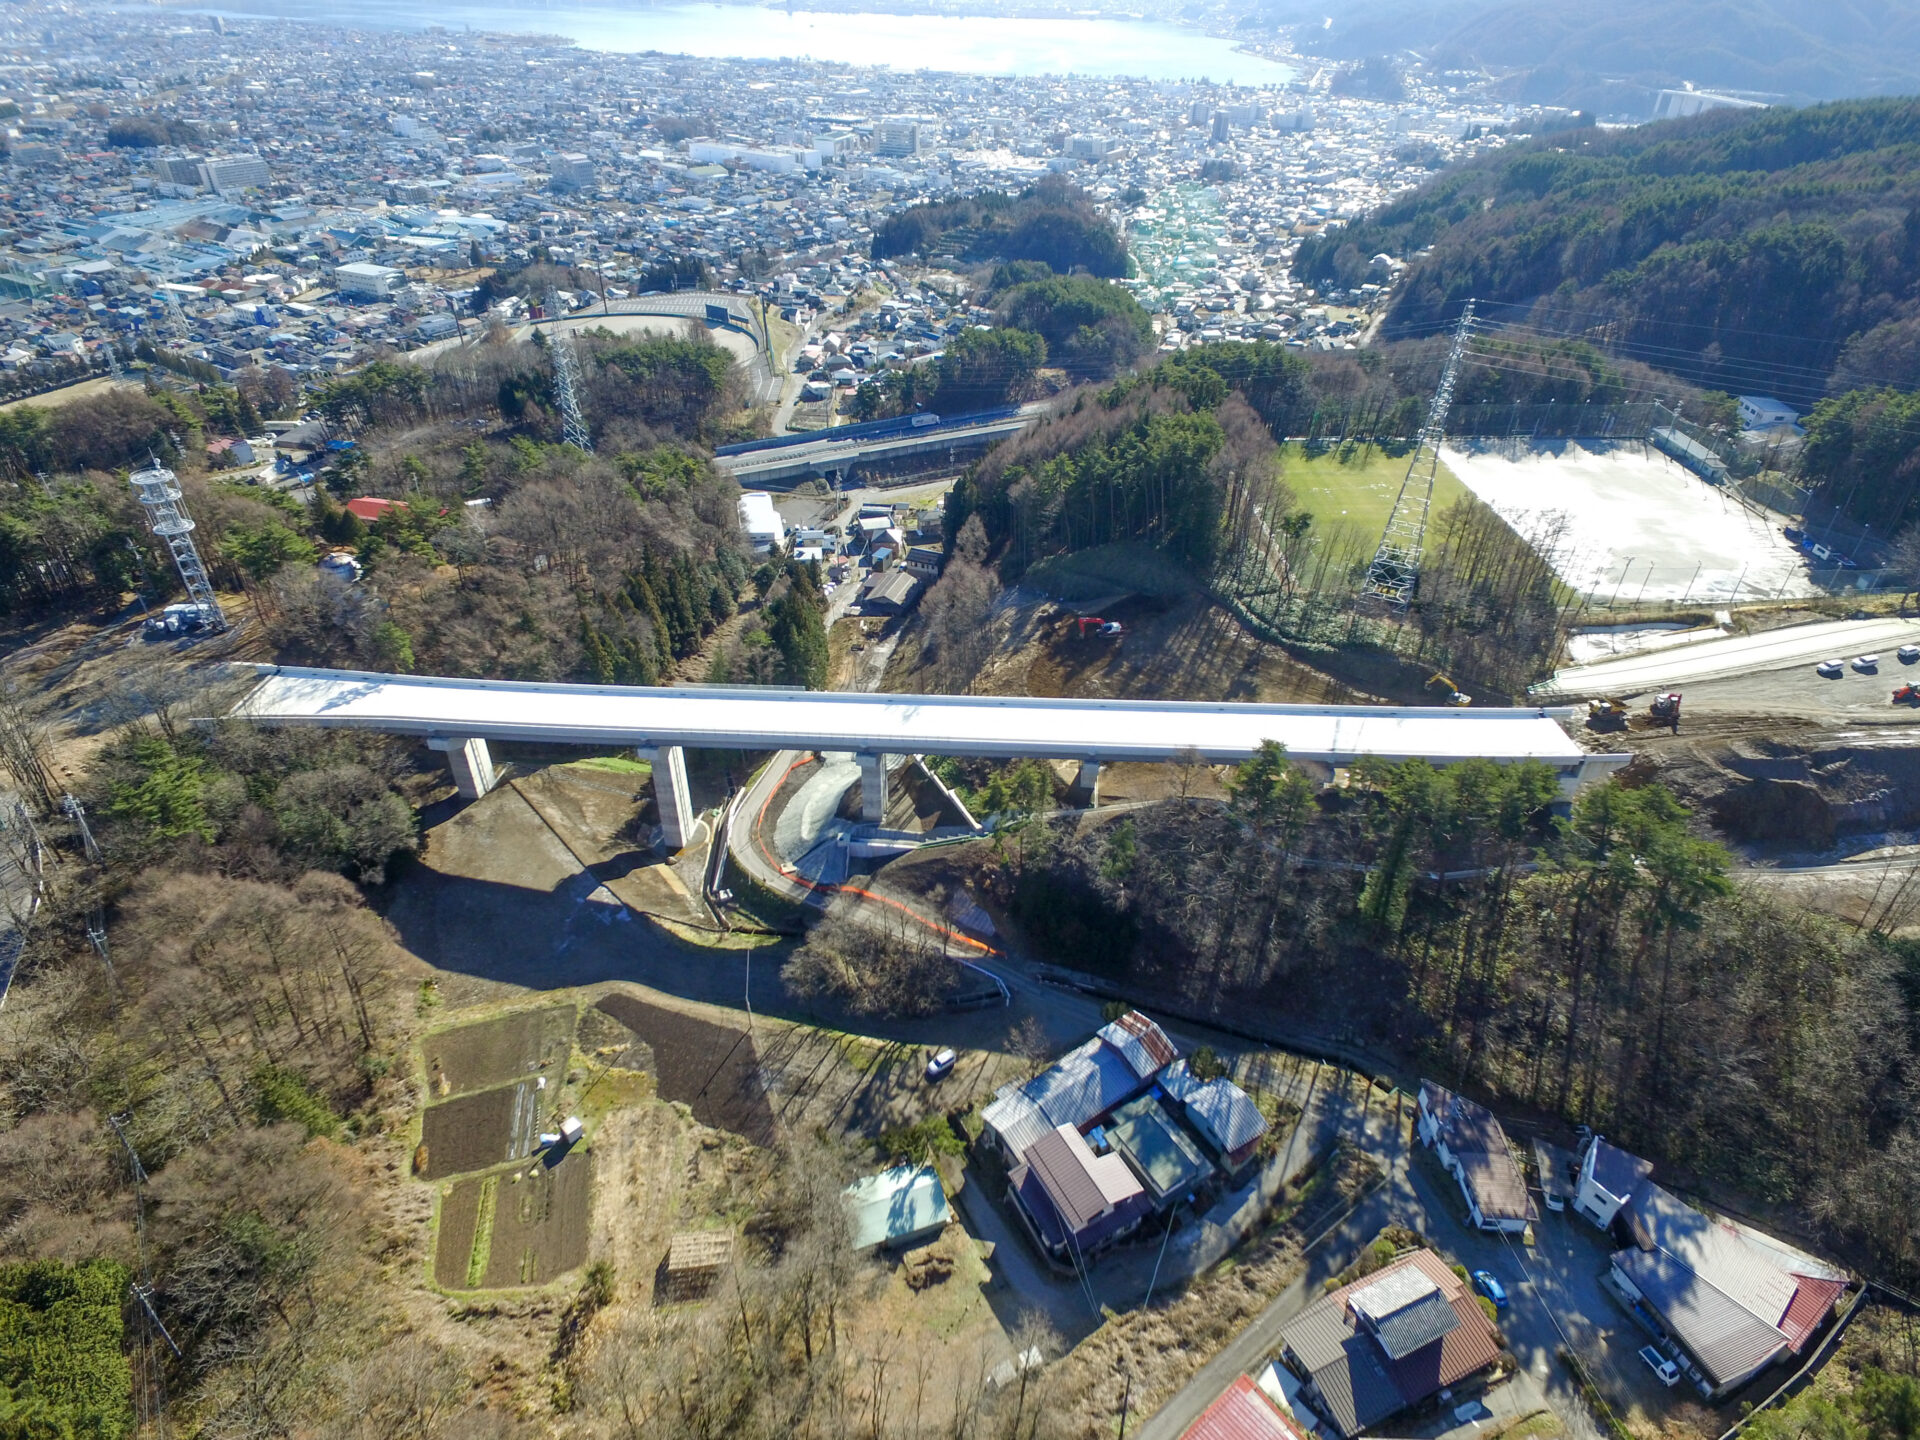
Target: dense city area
{"points": [[200, 188]]}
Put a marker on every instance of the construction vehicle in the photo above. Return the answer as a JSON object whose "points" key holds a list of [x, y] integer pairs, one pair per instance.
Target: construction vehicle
{"points": [[1666, 710], [1607, 714], [1907, 695], [1450, 693], [1099, 626]]}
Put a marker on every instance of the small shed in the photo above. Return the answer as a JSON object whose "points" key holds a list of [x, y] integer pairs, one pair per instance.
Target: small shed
{"points": [[695, 1259], [898, 1208]]}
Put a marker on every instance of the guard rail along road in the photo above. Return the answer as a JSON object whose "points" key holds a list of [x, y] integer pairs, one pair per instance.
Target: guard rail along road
{"points": [[459, 717]]}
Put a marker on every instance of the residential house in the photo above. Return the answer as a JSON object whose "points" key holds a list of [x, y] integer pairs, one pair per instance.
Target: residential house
{"points": [[1223, 1114], [1118, 1063], [1075, 1203], [1243, 1413], [1736, 1301], [1471, 1144], [925, 561], [1608, 1177], [1368, 1350]]}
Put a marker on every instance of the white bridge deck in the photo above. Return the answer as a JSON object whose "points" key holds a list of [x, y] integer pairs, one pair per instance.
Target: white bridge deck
{"points": [[1101, 731]]}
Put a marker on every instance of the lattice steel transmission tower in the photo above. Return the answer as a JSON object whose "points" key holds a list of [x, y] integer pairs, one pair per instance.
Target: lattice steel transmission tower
{"points": [[159, 491], [566, 381], [1394, 576]]}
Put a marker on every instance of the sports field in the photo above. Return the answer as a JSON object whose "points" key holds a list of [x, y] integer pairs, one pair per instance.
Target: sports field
{"points": [[1358, 490], [1632, 524]]}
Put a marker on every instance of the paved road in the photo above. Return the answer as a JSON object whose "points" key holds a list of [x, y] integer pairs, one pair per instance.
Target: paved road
{"points": [[1737, 655]]}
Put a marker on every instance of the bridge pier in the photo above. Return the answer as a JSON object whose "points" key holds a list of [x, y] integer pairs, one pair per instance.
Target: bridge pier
{"points": [[471, 763], [873, 788], [670, 793], [1086, 785]]}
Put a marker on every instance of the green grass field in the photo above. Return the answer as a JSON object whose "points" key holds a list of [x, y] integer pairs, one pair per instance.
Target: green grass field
{"points": [[1358, 491]]}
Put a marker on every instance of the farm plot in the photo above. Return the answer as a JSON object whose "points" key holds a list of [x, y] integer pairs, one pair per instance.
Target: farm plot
{"points": [[476, 1131], [713, 1069], [492, 1052], [518, 1228]]}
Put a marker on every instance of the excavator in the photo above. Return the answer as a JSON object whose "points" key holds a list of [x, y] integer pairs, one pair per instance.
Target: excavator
{"points": [[1098, 626], [1665, 710], [1607, 714], [1450, 693]]}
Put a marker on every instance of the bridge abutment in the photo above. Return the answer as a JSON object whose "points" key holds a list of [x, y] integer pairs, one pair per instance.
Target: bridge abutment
{"points": [[670, 794], [471, 763]]}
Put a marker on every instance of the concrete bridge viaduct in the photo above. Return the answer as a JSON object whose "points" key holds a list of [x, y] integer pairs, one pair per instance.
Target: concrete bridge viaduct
{"points": [[459, 717]]}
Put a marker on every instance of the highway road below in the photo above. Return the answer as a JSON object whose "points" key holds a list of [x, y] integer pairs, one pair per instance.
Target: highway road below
{"points": [[1737, 655]]}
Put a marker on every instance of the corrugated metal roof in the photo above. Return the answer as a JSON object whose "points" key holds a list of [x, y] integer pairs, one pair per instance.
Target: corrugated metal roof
{"points": [[1242, 1413], [1616, 1171], [894, 1204], [1472, 1133], [1722, 1297], [1063, 1163], [1144, 1044], [1015, 1119], [1226, 1114], [1077, 1089]]}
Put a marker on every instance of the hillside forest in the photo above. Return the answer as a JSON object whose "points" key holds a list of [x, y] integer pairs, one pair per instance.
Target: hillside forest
{"points": [[1773, 252]]}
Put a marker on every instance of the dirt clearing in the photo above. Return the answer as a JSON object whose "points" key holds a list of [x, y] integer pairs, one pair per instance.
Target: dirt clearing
{"points": [[712, 1069], [476, 1131], [507, 1047], [523, 1227]]}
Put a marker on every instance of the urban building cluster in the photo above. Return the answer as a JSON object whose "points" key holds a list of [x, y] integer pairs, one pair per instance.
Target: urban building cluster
{"points": [[264, 192]]}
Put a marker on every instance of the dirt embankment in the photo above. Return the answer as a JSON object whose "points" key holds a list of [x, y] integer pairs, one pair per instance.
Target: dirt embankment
{"points": [[1179, 648], [1786, 788]]}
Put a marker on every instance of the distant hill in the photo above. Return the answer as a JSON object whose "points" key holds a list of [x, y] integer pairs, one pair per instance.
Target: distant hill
{"points": [[1774, 251], [1612, 54]]}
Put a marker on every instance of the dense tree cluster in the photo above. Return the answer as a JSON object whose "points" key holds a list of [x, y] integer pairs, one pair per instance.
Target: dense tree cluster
{"points": [[1863, 456], [1139, 462], [1742, 250], [1054, 223], [1093, 328]]}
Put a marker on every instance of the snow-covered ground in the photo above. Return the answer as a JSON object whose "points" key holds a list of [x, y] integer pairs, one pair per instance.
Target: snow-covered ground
{"points": [[1631, 523]]}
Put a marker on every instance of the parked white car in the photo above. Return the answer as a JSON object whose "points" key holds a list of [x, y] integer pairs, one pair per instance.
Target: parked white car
{"points": [[1908, 654], [1661, 1366]]}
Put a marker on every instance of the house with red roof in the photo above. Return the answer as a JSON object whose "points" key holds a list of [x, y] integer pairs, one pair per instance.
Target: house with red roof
{"points": [[370, 507], [1243, 1413]]}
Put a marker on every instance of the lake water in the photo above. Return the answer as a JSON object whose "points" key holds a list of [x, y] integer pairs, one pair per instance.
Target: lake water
{"points": [[968, 44]]}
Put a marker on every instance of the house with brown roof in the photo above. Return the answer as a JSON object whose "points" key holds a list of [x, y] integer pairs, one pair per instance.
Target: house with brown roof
{"points": [[1734, 1300], [1075, 1203], [1368, 1350], [1472, 1145]]}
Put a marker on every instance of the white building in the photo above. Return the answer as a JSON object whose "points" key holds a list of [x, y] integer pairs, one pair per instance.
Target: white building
{"points": [[236, 172], [361, 281], [1608, 1178], [1678, 104], [571, 171], [900, 137], [765, 529], [1762, 413], [777, 160]]}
